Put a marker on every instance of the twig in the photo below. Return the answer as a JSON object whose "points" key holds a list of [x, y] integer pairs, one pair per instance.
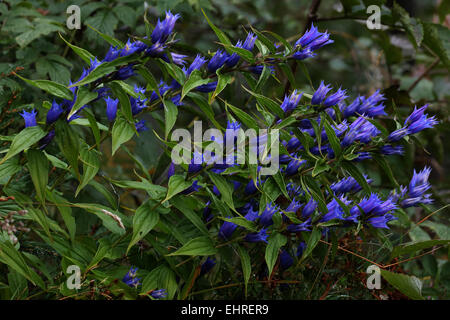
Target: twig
{"points": [[435, 62]]}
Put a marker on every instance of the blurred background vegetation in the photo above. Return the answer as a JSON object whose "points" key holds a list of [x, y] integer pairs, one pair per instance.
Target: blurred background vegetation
{"points": [[408, 59]]}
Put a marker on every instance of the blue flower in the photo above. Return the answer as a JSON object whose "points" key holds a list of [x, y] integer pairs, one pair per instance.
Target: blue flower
{"points": [[29, 118], [311, 41], [415, 123], [208, 87], [291, 102], [416, 190], [178, 58], [124, 73], [140, 126], [381, 221], [300, 226], [293, 166], [130, 278], [196, 162], [164, 28], [309, 208], [391, 150], [259, 69], [171, 170], [207, 266], [249, 41], [159, 294], [251, 215], [293, 206], [320, 93], [132, 47], [112, 54], [217, 61], [301, 248], [227, 229], [198, 62], [257, 236], [111, 108], [286, 260], [360, 130], [54, 112], [293, 190], [335, 98], [346, 185], [335, 210], [267, 214]]}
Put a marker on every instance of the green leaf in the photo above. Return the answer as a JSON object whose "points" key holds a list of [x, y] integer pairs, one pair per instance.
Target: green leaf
{"points": [[243, 222], [91, 165], [170, 116], [222, 36], [122, 132], [51, 87], [332, 138], [244, 117], [38, 166], [176, 185], [241, 52], [124, 100], [144, 220], [84, 96], [412, 247], [67, 140], [111, 40], [225, 188], [386, 169], [312, 242], [201, 246], [223, 81], [414, 29], [319, 167], [23, 140], [82, 53], [408, 285], [195, 79], [66, 211], [355, 173], [436, 37], [180, 203], [268, 103], [13, 258], [276, 241], [246, 265]]}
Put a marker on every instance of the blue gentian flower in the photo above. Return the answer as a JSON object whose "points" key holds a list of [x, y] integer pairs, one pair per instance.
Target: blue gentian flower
{"points": [[391, 150], [286, 260], [415, 123], [293, 166], [360, 130], [293, 206], [267, 214], [320, 93], [227, 229], [111, 108], [207, 266], [29, 118], [257, 236], [335, 98], [130, 278], [140, 126], [299, 226], [164, 28], [291, 102], [196, 162], [112, 54], [198, 62], [251, 215], [309, 208], [159, 294], [398, 134], [381, 221], [208, 87], [124, 73], [311, 41], [54, 112], [259, 69], [217, 61], [335, 210], [249, 41], [301, 248], [415, 194], [293, 190], [346, 185]]}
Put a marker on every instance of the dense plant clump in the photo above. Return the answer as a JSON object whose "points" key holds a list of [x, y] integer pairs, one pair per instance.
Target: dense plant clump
{"points": [[195, 218]]}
